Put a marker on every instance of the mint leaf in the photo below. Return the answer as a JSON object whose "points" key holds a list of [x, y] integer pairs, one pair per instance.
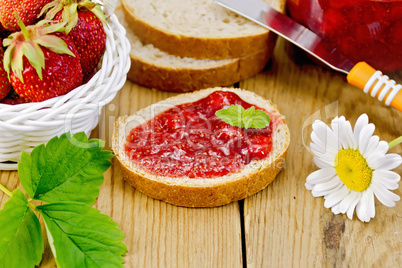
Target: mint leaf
{"points": [[69, 168], [247, 117], [21, 241], [259, 119], [232, 115], [82, 237], [237, 116]]}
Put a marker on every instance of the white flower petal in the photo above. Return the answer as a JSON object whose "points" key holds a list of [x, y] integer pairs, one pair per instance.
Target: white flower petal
{"points": [[328, 158], [328, 192], [391, 161], [321, 175], [336, 197], [316, 139], [371, 146], [349, 136], [347, 201], [365, 136], [328, 185], [386, 197], [388, 179], [309, 186], [370, 203], [319, 163], [380, 160], [327, 137], [316, 149], [335, 209], [380, 151], [334, 126], [346, 134], [361, 122], [362, 207], [352, 206], [340, 125]]}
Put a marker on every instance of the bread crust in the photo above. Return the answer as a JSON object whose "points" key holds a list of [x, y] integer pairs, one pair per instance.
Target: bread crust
{"points": [[203, 192], [189, 79], [205, 196], [197, 47]]}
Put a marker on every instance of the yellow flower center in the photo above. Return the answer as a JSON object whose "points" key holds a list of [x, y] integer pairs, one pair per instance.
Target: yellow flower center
{"points": [[353, 170]]}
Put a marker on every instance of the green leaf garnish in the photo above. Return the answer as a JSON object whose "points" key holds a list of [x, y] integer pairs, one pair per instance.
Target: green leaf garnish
{"points": [[69, 168], [67, 173], [81, 236], [21, 240], [236, 115]]}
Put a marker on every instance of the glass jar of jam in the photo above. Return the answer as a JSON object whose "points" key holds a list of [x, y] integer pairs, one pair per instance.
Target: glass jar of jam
{"points": [[363, 30]]}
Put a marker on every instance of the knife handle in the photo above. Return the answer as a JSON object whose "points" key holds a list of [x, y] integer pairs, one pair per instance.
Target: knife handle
{"points": [[376, 84]]}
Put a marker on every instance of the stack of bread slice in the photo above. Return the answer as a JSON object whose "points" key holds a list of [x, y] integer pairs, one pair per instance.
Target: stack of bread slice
{"points": [[185, 45]]}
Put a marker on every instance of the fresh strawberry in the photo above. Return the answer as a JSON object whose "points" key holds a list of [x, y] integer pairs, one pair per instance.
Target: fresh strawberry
{"points": [[3, 32], [84, 26], [27, 10], [42, 61], [13, 98], [5, 85]]}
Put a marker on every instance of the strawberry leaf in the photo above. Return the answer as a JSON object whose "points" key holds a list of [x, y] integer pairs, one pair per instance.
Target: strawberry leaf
{"points": [[69, 168], [21, 241], [82, 237], [55, 44], [35, 56], [99, 13], [17, 62], [70, 15]]}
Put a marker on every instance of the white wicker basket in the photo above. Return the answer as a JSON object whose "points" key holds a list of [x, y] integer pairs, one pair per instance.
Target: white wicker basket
{"points": [[24, 126]]}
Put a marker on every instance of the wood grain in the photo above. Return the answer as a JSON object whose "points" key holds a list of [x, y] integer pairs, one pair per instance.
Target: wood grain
{"points": [[284, 226], [159, 234]]}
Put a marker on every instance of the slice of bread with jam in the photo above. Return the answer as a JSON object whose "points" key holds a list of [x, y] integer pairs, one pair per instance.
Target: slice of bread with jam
{"points": [[177, 150]]}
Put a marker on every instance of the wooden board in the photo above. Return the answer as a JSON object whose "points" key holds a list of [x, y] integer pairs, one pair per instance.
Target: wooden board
{"points": [[283, 225]]}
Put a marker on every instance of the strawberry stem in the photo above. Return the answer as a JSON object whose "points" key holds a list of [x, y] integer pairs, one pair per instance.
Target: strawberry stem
{"points": [[22, 26]]}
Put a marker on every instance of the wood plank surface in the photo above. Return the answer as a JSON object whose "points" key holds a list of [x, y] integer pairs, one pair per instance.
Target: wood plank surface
{"points": [[284, 225]]}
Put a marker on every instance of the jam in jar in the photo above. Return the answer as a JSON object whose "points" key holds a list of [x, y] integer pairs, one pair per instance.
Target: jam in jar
{"points": [[363, 30]]}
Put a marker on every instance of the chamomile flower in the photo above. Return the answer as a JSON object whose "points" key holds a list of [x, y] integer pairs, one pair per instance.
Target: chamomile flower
{"points": [[354, 166]]}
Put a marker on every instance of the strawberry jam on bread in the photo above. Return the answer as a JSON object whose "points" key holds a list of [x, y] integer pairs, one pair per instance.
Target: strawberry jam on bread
{"points": [[179, 151]]}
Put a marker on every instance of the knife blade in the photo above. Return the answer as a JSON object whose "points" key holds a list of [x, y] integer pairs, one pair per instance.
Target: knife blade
{"points": [[360, 75]]}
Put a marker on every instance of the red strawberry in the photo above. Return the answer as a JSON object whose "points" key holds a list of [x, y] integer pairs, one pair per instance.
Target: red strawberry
{"points": [[5, 85], [27, 10], [42, 62], [13, 98], [3, 32], [84, 27]]}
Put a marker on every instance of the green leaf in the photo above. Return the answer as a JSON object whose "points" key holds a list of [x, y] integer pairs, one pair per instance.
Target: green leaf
{"points": [[69, 168], [248, 117], [80, 236], [35, 56], [7, 57], [232, 115], [21, 241], [237, 116], [55, 44], [17, 63], [259, 119], [99, 13]]}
